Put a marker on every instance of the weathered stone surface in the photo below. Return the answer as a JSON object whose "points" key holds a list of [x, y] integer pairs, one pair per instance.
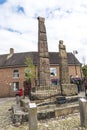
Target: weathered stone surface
{"points": [[41, 19], [64, 71], [69, 89], [43, 93], [43, 37], [83, 111], [43, 65], [17, 99], [33, 117], [66, 87], [24, 104]]}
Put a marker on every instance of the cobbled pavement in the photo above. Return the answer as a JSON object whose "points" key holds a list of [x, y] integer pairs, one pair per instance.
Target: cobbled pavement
{"points": [[69, 122]]}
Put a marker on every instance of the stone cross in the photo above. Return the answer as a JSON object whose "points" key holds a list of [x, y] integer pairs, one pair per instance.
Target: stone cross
{"points": [[64, 71], [43, 65]]}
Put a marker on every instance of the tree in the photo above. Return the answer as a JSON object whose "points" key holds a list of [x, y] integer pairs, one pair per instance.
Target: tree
{"points": [[30, 69], [84, 70]]}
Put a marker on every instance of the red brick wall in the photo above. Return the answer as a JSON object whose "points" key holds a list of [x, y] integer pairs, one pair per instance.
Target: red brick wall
{"points": [[6, 81], [6, 78], [72, 70]]}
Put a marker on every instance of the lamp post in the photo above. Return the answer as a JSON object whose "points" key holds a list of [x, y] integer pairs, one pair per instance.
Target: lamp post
{"points": [[75, 52]]}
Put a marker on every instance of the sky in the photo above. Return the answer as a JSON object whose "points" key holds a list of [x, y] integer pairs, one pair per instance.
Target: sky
{"points": [[64, 20]]}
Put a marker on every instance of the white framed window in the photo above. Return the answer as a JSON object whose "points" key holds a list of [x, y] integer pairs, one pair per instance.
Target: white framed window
{"points": [[53, 72], [15, 86], [16, 73]]}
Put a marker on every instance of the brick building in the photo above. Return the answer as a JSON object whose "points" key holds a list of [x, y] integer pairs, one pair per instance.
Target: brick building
{"points": [[12, 69]]}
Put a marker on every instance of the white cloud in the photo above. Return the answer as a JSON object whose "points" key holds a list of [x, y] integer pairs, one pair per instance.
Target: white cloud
{"points": [[64, 19]]}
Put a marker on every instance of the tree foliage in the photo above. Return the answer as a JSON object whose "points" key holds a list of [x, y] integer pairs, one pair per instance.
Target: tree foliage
{"points": [[84, 70], [30, 69]]}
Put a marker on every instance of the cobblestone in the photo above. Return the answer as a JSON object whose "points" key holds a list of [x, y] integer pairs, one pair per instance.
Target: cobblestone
{"points": [[69, 122]]}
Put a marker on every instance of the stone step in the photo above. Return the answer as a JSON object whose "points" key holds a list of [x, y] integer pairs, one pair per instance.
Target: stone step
{"points": [[53, 111]]}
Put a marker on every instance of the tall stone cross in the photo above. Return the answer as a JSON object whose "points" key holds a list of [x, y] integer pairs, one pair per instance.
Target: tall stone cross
{"points": [[43, 65], [64, 70]]}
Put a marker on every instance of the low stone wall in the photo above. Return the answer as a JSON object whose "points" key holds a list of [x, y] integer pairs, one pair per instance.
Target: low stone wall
{"points": [[50, 113], [66, 110]]}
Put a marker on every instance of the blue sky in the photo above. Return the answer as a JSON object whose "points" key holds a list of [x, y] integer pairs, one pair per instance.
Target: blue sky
{"points": [[64, 19]]}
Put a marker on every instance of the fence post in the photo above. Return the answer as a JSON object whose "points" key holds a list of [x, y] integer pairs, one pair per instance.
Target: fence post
{"points": [[33, 116], [83, 111]]}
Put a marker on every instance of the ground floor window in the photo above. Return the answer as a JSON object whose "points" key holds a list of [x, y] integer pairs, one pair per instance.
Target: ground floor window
{"points": [[54, 82], [15, 86]]}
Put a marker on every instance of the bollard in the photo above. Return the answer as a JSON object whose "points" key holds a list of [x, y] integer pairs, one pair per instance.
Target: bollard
{"points": [[83, 111], [33, 116]]}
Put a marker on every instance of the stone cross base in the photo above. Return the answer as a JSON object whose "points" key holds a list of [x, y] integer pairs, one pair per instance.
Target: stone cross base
{"points": [[83, 111], [69, 89], [41, 94]]}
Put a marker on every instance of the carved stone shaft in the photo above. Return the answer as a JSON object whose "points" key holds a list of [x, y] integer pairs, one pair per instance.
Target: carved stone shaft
{"points": [[43, 65], [64, 71]]}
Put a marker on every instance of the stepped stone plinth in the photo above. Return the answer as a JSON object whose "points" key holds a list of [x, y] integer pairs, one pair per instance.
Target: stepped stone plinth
{"points": [[42, 93]]}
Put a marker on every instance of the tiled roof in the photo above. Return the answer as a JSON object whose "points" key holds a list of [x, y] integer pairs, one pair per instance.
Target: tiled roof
{"points": [[18, 59]]}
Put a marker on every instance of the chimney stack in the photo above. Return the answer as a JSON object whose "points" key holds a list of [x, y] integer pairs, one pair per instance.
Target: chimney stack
{"points": [[11, 51]]}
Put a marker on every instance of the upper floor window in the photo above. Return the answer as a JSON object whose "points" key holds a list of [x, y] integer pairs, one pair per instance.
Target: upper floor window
{"points": [[53, 72], [16, 73]]}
